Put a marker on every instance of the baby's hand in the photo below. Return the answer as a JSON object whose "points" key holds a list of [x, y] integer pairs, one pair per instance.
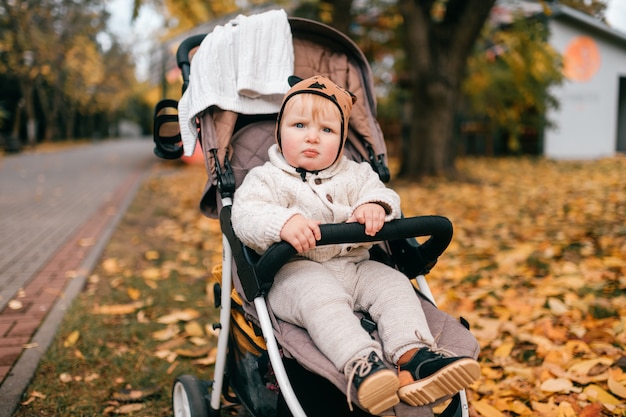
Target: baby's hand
{"points": [[301, 233], [372, 215]]}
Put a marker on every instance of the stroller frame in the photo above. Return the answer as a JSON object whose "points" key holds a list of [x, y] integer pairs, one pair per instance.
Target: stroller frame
{"points": [[190, 397]]}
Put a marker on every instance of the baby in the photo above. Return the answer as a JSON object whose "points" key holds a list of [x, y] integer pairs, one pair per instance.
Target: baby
{"points": [[306, 182]]}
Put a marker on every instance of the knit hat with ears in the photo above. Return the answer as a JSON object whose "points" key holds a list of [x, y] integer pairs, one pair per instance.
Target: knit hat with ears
{"points": [[324, 87]]}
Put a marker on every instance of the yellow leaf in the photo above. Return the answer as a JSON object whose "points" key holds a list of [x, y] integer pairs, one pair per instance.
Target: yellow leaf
{"points": [[71, 339], [118, 309], [486, 410], [208, 360], [504, 350], [151, 284], [545, 409], [193, 328], [198, 341], [152, 255], [166, 334], [179, 315], [615, 386], [557, 385], [520, 408], [110, 266], [133, 293], [566, 410], [584, 367], [596, 393], [151, 274]]}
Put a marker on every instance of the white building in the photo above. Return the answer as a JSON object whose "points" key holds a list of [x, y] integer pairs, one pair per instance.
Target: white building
{"points": [[591, 120]]}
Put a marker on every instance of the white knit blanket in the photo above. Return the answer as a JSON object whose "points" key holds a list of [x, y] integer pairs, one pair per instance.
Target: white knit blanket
{"points": [[242, 67]]}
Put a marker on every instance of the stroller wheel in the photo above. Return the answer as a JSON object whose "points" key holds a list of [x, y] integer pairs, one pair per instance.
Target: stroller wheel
{"points": [[189, 399]]}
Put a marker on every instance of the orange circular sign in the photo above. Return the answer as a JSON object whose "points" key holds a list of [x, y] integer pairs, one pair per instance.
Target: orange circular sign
{"points": [[581, 59]]}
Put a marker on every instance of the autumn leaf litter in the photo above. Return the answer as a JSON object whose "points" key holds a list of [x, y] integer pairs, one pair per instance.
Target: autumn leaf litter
{"points": [[537, 266]]}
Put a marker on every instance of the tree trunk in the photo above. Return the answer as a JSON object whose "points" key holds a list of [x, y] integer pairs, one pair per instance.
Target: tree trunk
{"points": [[342, 17], [29, 108], [437, 47]]}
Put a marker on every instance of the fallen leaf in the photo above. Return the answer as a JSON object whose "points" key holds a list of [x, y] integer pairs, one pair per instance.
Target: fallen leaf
{"points": [[504, 350], [486, 410], [71, 339], [125, 409], [179, 315], [194, 329], [133, 293], [151, 284], [557, 306], [208, 360], [545, 409], [198, 341], [119, 309], [110, 266], [597, 393], [591, 410], [166, 334], [194, 352], [86, 242], [557, 385], [566, 410], [137, 394], [166, 355], [614, 383], [152, 274], [65, 377], [92, 377], [32, 396]]}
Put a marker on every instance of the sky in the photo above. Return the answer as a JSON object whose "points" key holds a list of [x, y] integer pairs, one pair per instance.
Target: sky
{"points": [[140, 34], [616, 14]]}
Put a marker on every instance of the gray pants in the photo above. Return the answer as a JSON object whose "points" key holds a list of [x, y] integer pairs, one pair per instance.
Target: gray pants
{"points": [[322, 298]]}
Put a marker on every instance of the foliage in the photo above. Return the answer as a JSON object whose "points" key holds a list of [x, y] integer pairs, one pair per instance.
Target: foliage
{"points": [[51, 48], [594, 8], [509, 77], [536, 266]]}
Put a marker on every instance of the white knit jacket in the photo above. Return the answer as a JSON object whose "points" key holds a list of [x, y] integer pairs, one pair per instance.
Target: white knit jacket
{"points": [[274, 192]]}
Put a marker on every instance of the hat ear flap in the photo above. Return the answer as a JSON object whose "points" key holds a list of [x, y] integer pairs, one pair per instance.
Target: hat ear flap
{"points": [[293, 80], [353, 97]]}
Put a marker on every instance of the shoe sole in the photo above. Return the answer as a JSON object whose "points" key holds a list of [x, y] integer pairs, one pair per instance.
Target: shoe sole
{"points": [[379, 392], [447, 381]]}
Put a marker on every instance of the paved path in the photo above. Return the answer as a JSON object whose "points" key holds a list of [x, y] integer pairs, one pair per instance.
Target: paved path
{"points": [[57, 212]]}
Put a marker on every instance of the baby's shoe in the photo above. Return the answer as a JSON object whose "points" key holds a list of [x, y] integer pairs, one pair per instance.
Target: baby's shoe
{"points": [[376, 385], [428, 376]]}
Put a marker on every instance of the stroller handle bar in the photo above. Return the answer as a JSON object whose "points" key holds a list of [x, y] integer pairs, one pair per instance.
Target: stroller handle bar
{"points": [[256, 272]]}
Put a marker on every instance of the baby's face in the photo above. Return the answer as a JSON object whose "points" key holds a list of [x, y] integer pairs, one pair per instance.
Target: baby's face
{"points": [[310, 135]]}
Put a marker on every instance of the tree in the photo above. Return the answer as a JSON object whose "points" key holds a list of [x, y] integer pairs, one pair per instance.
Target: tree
{"points": [[509, 76], [51, 48], [439, 36]]}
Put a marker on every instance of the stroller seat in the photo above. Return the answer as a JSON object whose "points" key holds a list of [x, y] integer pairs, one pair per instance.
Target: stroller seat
{"points": [[272, 366]]}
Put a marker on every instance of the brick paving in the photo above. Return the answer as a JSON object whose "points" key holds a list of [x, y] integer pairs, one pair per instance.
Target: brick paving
{"points": [[57, 212]]}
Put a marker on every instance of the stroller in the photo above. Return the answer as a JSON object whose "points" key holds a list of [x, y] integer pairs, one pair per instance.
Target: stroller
{"points": [[268, 366]]}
